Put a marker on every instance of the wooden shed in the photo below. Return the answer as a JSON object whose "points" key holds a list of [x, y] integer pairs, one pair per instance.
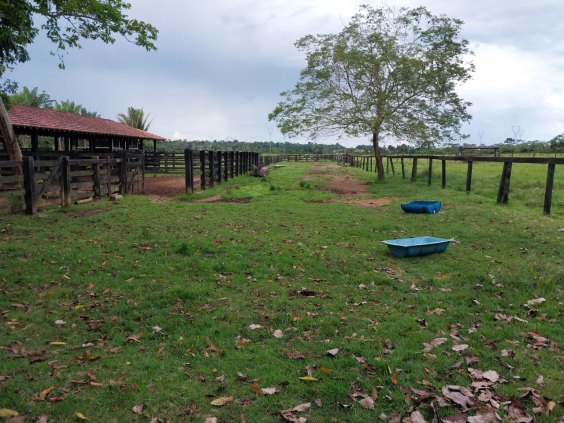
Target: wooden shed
{"points": [[72, 132]]}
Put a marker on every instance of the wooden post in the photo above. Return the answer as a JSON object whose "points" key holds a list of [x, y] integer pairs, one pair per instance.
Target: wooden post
{"points": [[548, 189], [430, 175], [66, 189], [469, 176], [503, 191], [188, 180], [392, 166], [108, 175], [34, 142], [29, 186], [443, 174], [202, 170], [231, 166], [219, 170], [123, 173], [9, 136], [414, 170], [387, 165], [225, 165], [402, 168], [97, 186], [211, 157]]}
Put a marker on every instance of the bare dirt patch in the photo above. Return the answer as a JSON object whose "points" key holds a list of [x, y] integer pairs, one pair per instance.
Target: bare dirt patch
{"points": [[346, 185], [86, 213], [164, 188], [219, 199]]}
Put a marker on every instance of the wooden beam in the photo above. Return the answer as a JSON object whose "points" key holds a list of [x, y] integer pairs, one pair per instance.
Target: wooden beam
{"points": [[430, 174], [9, 136], [402, 168]]}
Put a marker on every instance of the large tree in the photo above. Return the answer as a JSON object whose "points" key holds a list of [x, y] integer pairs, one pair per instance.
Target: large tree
{"points": [[70, 106], [388, 73], [135, 118], [65, 23]]}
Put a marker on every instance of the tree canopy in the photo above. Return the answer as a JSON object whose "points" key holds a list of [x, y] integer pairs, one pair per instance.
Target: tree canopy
{"points": [[72, 107], [135, 118], [32, 98], [388, 73], [66, 23]]}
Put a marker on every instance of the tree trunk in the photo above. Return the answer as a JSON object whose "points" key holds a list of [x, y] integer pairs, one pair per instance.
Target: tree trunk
{"points": [[378, 155], [8, 134]]}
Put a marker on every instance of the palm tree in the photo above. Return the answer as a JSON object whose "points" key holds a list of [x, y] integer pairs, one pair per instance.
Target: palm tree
{"points": [[32, 98], [135, 118], [71, 107]]}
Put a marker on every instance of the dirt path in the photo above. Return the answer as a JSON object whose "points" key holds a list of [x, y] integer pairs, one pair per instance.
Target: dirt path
{"points": [[350, 190], [164, 188]]}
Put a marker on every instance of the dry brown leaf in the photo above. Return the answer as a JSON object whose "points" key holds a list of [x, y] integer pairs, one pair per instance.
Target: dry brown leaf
{"points": [[455, 395], [138, 408], [367, 403], [540, 380], [211, 420], [318, 402], [292, 415], [535, 301], [491, 375], [269, 391], [43, 394], [417, 417], [488, 415], [134, 338], [295, 354], [455, 418], [278, 334], [460, 347], [434, 343], [333, 352], [394, 378], [360, 359], [255, 326], [81, 416], [221, 401], [44, 418]]}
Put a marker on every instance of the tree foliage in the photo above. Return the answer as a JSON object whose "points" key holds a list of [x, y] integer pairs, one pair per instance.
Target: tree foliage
{"points": [[388, 73], [135, 118], [32, 98], [66, 23], [72, 107]]}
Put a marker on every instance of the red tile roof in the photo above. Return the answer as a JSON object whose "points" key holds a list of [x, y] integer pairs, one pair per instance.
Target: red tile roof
{"points": [[26, 117]]}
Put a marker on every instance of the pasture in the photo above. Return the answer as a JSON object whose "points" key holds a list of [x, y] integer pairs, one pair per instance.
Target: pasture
{"points": [[278, 296]]}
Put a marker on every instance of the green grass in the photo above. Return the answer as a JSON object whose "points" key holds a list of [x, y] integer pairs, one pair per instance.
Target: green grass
{"points": [[204, 272]]}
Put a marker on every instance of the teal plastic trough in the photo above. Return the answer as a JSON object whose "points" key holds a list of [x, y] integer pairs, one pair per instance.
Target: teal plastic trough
{"points": [[421, 207], [420, 246]]}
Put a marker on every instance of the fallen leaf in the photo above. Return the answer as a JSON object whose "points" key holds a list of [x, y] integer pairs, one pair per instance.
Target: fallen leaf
{"points": [[417, 417], [278, 334], [535, 301], [60, 322], [291, 415], [157, 329], [360, 359], [394, 378], [221, 401], [44, 418], [210, 420], [138, 408], [81, 416], [6, 412], [308, 379], [295, 354], [540, 380], [324, 370], [434, 343], [254, 326], [134, 338], [333, 352], [367, 403], [45, 392], [269, 391], [57, 343], [459, 398], [460, 347], [491, 375], [318, 402], [436, 311]]}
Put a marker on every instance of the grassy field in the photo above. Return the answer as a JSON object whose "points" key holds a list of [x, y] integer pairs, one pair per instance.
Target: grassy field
{"points": [[183, 311]]}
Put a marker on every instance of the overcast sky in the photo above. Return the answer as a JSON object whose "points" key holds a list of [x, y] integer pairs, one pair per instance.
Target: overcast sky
{"points": [[221, 65]]}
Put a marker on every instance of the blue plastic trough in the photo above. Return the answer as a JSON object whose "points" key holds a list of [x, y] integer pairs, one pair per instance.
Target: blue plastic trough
{"points": [[413, 247], [422, 207]]}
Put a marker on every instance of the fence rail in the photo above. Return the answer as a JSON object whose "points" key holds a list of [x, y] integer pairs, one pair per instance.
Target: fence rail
{"points": [[367, 163], [50, 178]]}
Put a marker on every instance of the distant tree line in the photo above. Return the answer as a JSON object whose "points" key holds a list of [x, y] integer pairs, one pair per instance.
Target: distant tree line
{"points": [[264, 147]]}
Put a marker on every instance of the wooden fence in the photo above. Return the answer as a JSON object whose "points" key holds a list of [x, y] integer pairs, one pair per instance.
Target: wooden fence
{"points": [[52, 178], [207, 167], [367, 163]]}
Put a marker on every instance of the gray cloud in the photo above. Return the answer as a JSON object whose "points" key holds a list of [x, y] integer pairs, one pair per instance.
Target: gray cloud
{"points": [[221, 65]]}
